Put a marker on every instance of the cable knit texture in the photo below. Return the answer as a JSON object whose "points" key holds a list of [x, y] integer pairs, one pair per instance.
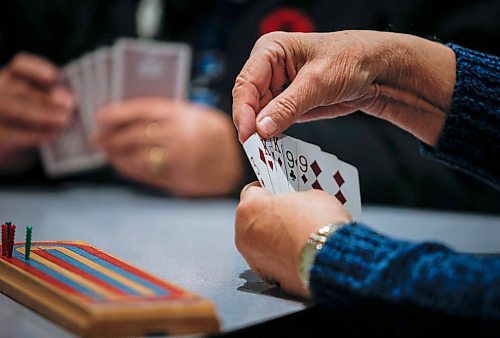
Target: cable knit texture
{"points": [[358, 261], [470, 140]]}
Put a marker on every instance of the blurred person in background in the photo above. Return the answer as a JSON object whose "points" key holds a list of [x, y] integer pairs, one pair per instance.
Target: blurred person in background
{"points": [[222, 34]]}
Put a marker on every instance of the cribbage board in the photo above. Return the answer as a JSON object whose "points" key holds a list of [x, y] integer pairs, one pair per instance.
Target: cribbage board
{"points": [[92, 293]]}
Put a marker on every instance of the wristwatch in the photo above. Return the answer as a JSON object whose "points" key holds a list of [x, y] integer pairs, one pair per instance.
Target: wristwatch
{"points": [[316, 241]]}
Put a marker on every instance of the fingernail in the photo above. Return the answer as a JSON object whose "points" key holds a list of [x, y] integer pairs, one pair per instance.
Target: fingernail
{"points": [[268, 125]]}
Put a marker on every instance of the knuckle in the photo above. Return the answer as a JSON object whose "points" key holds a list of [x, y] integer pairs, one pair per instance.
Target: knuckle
{"points": [[240, 80], [17, 59], [242, 212], [315, 75], [286, 106], [20, 59], [270, 37]]}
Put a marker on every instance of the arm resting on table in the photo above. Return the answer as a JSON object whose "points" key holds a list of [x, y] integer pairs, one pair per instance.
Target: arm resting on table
{"points": [[358, 260]]}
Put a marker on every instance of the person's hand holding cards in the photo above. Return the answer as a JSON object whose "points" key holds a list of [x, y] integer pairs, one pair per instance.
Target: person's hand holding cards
{"points": [[128, 69], [132, 114], [293, 77], [284, 164], [186, 149], [34, 108], [276, 227]]}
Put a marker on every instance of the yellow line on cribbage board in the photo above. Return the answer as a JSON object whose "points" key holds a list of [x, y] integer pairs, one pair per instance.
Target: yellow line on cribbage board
{"points": [[71, 275], [109, 273]]}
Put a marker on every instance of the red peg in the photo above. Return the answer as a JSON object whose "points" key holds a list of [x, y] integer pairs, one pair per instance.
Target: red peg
{"points": [[12, 234], [4, 240]]}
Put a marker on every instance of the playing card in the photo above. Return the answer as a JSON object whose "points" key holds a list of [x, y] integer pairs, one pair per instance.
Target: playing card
{"points": [[289, 151], [256, 152], [102, 77], [131, 68], [70, 152], [323, 171], [347, 180], [312, 147], [278, 176], [88, 104], [307, 165], [280, 163], [303, 166], [147, 68]]}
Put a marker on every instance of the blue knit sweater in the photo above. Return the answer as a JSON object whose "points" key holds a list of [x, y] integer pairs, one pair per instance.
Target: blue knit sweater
{"points": [[358, 260]]}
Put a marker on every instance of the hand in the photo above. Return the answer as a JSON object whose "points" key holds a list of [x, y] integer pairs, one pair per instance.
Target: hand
{"points": [[33, 109], [185, 149], [271, 231], [293, 77]]}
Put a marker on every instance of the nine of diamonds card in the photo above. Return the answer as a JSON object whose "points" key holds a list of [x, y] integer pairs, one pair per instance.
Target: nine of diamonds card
{"points": [[285, 164]]}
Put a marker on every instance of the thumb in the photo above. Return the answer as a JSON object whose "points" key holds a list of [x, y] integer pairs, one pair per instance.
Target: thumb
{"points": [[288, 107], [253, 190]]}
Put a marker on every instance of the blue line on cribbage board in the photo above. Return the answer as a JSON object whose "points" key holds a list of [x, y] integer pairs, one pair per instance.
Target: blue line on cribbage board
{"points": [[93, 272], [43, 268], [157, 290]]}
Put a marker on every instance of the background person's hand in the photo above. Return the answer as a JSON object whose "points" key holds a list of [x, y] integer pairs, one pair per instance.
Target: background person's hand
{"points": [[182, 148], [33, 109], [293, 77], [272, 230]]}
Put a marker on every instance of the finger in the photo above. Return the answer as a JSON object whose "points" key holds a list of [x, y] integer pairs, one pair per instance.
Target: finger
{"points": [[289, 106], [17, 137], [137, 165], [130, 136], [126, 112], [245, 108], [253, 84], [55, 98], [129, 164], [32, 114], [251, 184], [34, 68], [62, 97], [253, 190], [244, 121]]}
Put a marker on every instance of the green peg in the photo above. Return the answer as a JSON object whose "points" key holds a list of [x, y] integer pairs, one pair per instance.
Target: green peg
{"points": [[27, 245]]}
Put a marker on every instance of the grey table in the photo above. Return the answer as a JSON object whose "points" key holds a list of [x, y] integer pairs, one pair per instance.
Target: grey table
{"points": [[191, 243]]}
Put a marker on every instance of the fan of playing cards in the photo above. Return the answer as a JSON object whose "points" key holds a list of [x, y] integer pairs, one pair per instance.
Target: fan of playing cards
{"points": [[285, 164], [130, 68]]}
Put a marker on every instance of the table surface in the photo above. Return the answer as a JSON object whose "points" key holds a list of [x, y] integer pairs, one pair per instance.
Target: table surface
{"points": [[191, 243]]}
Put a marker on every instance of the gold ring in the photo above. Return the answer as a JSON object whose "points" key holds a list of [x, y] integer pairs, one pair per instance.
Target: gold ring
{"points": [[152, 130], [156, 157]]}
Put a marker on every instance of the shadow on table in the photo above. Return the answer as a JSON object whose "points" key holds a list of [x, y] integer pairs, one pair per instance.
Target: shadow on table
{"points": [[356, 317], [253, 284]]}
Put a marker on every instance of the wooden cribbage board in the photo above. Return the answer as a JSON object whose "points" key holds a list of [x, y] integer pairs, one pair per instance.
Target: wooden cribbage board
{"points": [[93, 294]]}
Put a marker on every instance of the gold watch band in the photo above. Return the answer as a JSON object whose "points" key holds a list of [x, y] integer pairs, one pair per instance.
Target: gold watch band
{"points": [[316, 241]]}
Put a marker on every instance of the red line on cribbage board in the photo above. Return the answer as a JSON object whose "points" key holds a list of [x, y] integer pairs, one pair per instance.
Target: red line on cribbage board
{"points": [[69, 267], [43, 276], [174, 292], [150, 278]]}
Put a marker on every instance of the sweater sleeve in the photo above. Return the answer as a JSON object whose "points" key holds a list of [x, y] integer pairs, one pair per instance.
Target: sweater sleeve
{"points": [[470, 140], [360, 261]]}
